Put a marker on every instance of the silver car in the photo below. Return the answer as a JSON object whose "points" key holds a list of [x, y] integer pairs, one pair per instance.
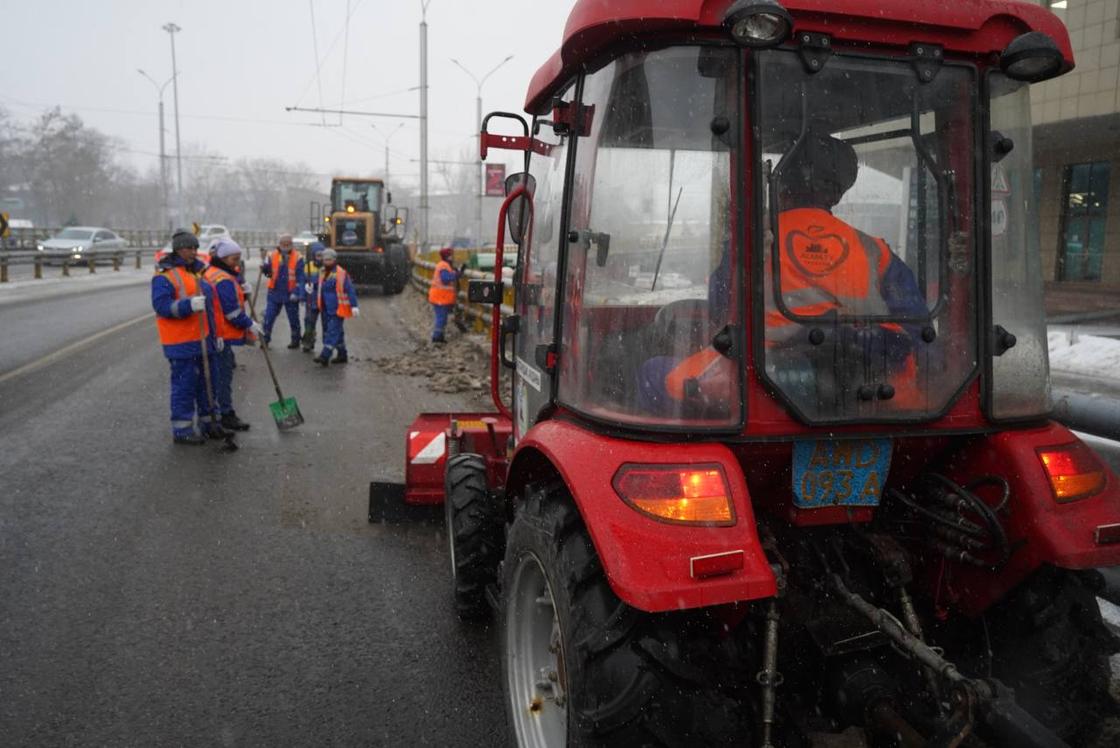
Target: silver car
{"points": [[77, 244]]}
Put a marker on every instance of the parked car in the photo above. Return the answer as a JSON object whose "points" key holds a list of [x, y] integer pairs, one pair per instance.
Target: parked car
{"points": [[211, 232], [77, 243], [305, 239]]}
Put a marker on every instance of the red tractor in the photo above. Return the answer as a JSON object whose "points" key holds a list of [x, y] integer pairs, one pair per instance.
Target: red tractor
{"points": [[777, 467]]}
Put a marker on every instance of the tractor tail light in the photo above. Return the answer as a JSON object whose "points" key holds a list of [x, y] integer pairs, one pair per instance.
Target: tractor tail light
{"points": [[684, 494], [1074, 471]]}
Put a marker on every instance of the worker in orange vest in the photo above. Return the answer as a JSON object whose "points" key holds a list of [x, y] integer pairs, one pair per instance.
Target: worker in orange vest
{"points": [[184, 307], [827, 268], [443, 293], [284, 271], [233, 325], [337, 302]]}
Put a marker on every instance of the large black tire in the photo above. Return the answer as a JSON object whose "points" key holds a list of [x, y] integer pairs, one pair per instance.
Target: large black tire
{"points": [[474, 534], [397, 270], [1051, 646], [629, 678]]}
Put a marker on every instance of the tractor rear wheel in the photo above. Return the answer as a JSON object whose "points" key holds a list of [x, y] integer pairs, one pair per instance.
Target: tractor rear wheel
{"points": [[1051, 646], [581, 667], [474, 533]]}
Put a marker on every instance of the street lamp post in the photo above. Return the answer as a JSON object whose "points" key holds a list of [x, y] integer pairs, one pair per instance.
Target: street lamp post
{"points": [[478, 185], [424, 123], [171, 30], [162, 150], [388, 137]]}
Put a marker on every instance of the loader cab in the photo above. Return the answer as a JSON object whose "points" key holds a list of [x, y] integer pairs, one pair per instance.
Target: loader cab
{"points": [[730, 238], [356, 206]]}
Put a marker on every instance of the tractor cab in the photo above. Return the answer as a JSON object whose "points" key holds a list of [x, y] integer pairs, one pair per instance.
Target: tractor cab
{"points": [[354, 212], [778, 397]]}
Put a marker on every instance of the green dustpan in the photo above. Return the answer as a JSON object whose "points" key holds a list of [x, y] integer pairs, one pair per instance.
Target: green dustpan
{"points": [[286, 413]]}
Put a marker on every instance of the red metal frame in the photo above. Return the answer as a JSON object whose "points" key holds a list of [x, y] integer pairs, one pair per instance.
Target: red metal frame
{"points": [[426, 450], [496, 314]]}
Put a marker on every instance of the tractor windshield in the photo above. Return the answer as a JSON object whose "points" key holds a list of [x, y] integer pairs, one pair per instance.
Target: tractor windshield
{"points": [[360, 196], [866, 248]]}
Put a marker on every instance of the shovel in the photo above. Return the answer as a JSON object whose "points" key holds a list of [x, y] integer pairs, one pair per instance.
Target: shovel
{"points": [[459, 316], [285, 411]]}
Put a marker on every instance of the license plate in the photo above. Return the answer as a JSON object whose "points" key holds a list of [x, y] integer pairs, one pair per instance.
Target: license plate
{"points": [[843, 472]]}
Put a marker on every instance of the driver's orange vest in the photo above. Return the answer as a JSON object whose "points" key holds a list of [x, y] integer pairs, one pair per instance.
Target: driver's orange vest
{"points": [[293, 259], [440, 293], [826, 266], [177, 330], [714, 374]]}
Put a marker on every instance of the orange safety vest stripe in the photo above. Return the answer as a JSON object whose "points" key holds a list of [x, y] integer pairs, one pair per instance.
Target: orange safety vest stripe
{"points": [[225, 329], [440, 293], [344, 309], [293, 258], [177, 330], [709, 367]]}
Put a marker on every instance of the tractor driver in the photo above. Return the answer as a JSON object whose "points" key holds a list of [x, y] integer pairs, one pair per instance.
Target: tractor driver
{"points": [[827, 268]]}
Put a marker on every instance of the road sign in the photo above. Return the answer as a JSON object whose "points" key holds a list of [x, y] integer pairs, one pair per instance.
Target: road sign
{"points": [[5, 230], [495, 180], [999, 217], [1000, 185], [196, 229]]}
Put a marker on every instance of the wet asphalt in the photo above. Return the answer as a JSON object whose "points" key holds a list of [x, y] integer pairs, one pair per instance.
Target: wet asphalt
{"points": [[160, 595]]}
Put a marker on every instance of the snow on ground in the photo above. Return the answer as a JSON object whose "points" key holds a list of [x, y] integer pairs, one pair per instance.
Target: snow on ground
{"points": [[1087, 355]]}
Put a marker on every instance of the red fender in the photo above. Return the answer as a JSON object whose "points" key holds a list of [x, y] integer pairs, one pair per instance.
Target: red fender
{"points": [[647, 562], [1042, 530]]}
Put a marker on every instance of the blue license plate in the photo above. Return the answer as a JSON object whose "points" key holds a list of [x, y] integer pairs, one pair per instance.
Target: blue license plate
{"points": [[842, 472]]}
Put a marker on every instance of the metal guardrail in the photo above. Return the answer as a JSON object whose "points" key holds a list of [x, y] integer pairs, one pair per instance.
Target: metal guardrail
{"points": [[422, 272], [116, 257], [1091, 414], [28, 239]]}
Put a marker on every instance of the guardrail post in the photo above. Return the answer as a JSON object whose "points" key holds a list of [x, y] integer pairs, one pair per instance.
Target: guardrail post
{"points": [[66, 267], [116, 263], [138, 259], [92, 265], [3, 268], [38, 268]]}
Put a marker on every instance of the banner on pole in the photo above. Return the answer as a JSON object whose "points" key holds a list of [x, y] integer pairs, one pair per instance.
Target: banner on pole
{"points": [[495, 180]]}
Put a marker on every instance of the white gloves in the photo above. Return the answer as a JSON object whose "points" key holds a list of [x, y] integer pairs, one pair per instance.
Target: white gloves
{"points": [[198, 303], [247, 287], [294, 297], [357, 312], [219, 344], [308, 287], [257, 329]]}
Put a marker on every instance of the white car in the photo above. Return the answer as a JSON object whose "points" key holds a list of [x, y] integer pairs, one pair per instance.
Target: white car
{"points": [[305, 239], [211, 232], [78, 243]]}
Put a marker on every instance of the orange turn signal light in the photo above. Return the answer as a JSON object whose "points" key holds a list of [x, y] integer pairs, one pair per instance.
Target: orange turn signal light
{"points": [[1074, 471], [682, 494]]}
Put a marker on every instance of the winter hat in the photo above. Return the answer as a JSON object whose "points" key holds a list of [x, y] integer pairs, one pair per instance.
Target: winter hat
{"points": [[183, 239], [223, 248], [316, 248], [330, 254]]}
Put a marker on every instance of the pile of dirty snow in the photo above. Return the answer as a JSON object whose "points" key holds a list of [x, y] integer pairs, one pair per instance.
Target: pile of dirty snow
{"points": [[1087, 355]]}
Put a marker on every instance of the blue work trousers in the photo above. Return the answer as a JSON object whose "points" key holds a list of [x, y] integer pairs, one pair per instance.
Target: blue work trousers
{"points": [[227, 363], [272, 311], [188, 393], [334, 336], [442, 311]]}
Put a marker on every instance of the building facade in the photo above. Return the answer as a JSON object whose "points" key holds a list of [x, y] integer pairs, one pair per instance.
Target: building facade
{"points": [[1077, 151]]}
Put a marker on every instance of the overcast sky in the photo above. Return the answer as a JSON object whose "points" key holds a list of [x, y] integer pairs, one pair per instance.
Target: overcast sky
{"points": [[242, 61]]}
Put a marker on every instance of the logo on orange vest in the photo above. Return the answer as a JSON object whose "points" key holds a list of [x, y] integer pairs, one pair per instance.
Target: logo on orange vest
{"points": [[816, 253]]}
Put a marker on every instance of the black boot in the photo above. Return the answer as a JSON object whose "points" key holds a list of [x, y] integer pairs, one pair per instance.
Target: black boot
{"points": [[439, 339], [293, 345], [322, 361], [233, 423], [193, 440], [341, 357], [216, 432]]}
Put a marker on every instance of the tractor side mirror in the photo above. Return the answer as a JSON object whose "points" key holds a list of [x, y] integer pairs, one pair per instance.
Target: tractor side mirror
{"points": [[518, 213]]}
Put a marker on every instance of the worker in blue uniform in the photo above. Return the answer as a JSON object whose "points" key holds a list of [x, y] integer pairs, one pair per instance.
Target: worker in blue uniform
{"points": [[337, 302], [311, 293], [184, 307], [234, 326], [284, 270]]}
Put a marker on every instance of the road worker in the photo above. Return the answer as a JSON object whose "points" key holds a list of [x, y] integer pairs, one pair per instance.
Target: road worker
{"points": [[233, 325], [184, 309], [336, 302], [311, 294], [284, 271], [828, 268], [443, 293]]}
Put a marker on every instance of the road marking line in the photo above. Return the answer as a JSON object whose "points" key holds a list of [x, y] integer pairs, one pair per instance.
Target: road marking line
{"points": [[65, 351]]}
